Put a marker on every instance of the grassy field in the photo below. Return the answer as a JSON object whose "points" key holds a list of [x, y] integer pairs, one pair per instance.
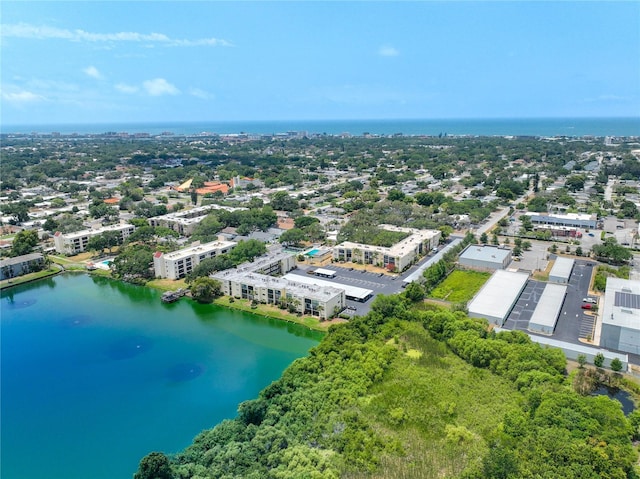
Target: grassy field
{"points": [[460, 286], [167, 284], [441, 409], [7, 283]]}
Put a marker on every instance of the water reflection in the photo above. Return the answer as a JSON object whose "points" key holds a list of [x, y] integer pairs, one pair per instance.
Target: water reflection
{"points": [[623, 397]]}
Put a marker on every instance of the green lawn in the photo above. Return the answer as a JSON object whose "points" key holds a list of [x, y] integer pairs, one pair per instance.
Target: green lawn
{"points": [[273, 312], [460, 286], [7, 283]]}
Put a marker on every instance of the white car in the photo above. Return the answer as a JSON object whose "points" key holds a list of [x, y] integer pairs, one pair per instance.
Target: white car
{"points": [[589, 300]]}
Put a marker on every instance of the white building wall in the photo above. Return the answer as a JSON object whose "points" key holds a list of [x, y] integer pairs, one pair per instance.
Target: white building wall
{"points": [[180, 263], [74, 243]]}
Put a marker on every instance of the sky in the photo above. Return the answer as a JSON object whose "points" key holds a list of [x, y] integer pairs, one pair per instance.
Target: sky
{"points": [[153, 61]]}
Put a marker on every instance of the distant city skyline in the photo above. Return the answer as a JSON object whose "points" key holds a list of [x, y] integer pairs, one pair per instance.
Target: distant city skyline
{"points": [[120, 61]]}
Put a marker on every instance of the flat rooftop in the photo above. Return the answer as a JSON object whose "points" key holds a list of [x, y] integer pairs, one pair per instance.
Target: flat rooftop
{"points": [[201, 248], [350, 291], [485, 253], [324, 272], [297, 288], [566, 216], [548, 308], [622, 303], [401, 248], [92, 232], [263, 261], [499, 294], [562, 267]]}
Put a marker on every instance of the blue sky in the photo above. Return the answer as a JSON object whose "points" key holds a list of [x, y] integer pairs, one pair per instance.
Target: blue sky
{"points": [[119, 61]]}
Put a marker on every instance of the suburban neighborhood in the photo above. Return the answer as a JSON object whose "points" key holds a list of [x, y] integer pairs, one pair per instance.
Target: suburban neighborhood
{"points": [[319, 225]]}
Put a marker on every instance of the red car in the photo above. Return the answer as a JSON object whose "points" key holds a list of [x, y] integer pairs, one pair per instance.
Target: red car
{"points": [[587, 306]]}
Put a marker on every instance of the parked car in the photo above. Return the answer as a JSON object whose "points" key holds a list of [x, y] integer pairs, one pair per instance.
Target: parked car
{"points": [[587, 306], [589, 300]]}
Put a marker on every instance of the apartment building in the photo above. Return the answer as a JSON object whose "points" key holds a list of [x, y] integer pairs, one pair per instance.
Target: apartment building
{"points": [[74, 243], [395, 258], [178, 264], [19, 265], [255, 281]]}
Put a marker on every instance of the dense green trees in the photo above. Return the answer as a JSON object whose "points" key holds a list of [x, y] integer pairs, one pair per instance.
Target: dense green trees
{"points": [[293, 237], [611, 251], [133, 263], [24, 242], [384, 392], [154, 466], [19, 211], [205, 290], [245, 221]]}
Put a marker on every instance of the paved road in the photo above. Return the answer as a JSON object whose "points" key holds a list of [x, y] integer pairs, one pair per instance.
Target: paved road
{"points": [[497, 216]]}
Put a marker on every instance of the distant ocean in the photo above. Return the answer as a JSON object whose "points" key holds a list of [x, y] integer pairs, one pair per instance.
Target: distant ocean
{"points": [[475, 127]]}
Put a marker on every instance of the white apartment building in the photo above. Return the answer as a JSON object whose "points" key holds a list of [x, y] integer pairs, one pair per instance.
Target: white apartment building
{"points": [[178, 264], [74, 243], [395, 258], [255, 281]]}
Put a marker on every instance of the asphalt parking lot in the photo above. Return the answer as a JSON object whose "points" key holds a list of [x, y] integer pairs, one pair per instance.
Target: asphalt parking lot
{"points": [[385, 284], [525, 306], [574, 322]]}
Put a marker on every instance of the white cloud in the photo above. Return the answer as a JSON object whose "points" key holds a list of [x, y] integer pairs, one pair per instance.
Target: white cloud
{"points": [[124, 88], [159, 86], [92, 72], [197, 92], [20, 97], [388, 51], [26, 30]]}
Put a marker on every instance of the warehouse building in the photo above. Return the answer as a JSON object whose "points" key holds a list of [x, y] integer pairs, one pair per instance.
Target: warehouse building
{"points": [[575, 220], [545, 316], [561, 271], [484, 257], [621, 316], [498, 296]]}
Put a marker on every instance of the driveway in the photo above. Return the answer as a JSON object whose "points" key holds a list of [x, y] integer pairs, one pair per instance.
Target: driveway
{"points": [[574, 323]]}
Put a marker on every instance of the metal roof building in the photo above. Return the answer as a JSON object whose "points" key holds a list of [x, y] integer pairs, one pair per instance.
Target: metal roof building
{"points": [[485, 257], [621, 316], [545, 316], [498, 296], [561, 271]]}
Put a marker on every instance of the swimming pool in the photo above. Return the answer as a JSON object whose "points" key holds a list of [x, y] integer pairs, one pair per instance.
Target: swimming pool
{"points": [[313, 252]]}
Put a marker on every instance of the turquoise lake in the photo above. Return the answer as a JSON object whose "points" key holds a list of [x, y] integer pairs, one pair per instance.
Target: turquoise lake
{"points": [[96, 373]]}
